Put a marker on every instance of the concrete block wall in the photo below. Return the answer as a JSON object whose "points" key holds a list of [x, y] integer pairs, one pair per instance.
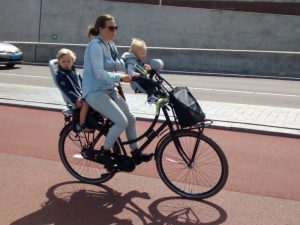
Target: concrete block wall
{"points": [[19, 20], [214, 38], [284, 64]]}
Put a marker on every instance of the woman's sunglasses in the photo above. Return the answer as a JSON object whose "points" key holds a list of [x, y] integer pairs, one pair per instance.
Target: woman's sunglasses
{"points": [[112, 28]]}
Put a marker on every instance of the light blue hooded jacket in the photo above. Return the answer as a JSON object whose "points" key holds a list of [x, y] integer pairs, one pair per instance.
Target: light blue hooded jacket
{"points": [[99, 67]]}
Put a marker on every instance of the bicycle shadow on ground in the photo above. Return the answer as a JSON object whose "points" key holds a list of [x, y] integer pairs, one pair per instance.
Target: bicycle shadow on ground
{"points": [[75, 203]]}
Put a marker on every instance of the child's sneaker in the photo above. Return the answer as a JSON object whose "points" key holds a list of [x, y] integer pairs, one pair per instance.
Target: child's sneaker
{"points": [[152, 99]]}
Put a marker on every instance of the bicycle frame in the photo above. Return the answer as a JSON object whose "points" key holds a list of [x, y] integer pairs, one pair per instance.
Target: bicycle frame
{"points": [[151, 134]]}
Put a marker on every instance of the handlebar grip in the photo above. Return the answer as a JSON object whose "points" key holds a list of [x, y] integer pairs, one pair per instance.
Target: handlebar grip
{"points": [[154, 82]]}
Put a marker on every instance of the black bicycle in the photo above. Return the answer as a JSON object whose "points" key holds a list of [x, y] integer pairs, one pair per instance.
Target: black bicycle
{"points": [[191, 164]]}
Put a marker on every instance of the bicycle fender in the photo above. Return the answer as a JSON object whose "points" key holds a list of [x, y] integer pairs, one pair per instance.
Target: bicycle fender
{"points": [[65, 127], [160, 142]]}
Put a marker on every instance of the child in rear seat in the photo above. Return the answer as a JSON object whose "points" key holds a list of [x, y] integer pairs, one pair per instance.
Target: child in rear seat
{"points": [[133, 60], [70, 83]]}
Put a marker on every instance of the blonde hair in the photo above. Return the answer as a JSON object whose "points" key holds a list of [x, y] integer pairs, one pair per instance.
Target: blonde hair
{"points": [[62, 52], [137, 43]]}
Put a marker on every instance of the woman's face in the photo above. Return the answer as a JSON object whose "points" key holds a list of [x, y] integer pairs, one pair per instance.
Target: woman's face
{"points": [[109, 32]]}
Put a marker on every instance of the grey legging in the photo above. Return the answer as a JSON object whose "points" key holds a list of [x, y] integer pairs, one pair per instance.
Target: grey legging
{"points": [[111, 105]]}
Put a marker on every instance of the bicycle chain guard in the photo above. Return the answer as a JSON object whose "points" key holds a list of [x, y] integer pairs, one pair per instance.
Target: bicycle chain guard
{"points": [[125, 163]]}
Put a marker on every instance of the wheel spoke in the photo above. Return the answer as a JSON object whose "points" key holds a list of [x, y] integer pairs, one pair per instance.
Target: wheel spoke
{"points": [[71, 145]]}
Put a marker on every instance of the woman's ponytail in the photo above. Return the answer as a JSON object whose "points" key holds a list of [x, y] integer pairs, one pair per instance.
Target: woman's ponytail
{"points": [[93, 31]]}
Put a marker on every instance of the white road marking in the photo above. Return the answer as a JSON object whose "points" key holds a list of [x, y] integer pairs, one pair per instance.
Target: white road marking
{"points": [[24, 75], [243, 92], [283, 95]]}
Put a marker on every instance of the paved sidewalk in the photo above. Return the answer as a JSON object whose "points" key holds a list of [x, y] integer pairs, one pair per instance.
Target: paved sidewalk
{"points": [[239, 117]]}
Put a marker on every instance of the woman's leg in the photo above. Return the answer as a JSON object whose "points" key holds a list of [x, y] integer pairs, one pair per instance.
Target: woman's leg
{"points": [[137, 155], [131, 128], [104, 104]]}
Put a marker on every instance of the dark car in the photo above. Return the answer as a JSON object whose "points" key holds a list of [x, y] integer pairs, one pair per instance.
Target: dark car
{"points": [[10, 54]]}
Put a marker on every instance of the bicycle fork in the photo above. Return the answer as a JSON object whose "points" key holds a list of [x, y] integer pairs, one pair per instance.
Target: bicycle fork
{"points": [[189, 161]]}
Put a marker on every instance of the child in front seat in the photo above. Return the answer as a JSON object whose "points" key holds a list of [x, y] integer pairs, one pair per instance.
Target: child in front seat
{"points": [[134, 62], [70, 83]]}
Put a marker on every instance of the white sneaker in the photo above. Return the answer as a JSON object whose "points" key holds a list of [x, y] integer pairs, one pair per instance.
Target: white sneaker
{"points": [[152, 99]]}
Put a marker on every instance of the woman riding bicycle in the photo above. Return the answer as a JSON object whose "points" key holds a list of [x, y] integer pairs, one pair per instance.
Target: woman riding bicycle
{"points": [[99, 88]]}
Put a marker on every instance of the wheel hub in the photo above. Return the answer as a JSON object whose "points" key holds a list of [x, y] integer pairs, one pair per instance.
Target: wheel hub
{"points": [[86, 153]]}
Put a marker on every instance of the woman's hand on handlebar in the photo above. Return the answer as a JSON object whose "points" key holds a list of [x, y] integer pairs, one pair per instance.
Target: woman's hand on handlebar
{"points": [[128, 78], [135, 75]]}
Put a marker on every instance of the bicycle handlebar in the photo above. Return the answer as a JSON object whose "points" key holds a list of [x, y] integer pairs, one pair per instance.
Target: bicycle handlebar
{"points": [[150, 79], [154, 77]]}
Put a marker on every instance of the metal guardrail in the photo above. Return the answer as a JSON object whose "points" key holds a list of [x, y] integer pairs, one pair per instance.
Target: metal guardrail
{"points": [[162, 48]]}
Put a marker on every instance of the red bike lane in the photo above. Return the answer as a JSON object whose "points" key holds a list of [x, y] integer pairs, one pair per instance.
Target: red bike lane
{"points": [[264, 176]]}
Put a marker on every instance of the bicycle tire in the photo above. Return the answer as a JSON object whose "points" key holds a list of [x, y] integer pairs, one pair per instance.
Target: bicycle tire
{"points": [[70, 146], [202, 179]]}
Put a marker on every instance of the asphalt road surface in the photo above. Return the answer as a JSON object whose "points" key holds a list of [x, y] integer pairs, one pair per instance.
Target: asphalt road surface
{"points": [[254, 91]]}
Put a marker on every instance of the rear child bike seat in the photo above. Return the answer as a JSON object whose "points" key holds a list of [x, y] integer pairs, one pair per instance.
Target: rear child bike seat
{"points": [[53, 64]]}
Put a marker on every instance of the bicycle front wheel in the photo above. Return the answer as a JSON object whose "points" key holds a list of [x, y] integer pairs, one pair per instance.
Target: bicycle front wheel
{"points": [[72, 149], [192, 165]]}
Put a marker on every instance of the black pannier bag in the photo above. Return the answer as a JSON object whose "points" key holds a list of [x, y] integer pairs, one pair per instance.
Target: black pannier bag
{"points": [[186, 107]]}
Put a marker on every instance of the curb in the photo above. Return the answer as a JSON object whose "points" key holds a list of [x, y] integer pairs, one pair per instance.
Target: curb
{"points": [[219, 125]]}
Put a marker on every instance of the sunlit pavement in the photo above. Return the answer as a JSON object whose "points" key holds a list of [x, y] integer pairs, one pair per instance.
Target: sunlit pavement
{"points": [[262, 187]]}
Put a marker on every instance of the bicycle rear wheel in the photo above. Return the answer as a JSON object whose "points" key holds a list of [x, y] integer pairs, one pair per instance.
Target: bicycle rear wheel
{"points": [[198, 179], [70, 147]]}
